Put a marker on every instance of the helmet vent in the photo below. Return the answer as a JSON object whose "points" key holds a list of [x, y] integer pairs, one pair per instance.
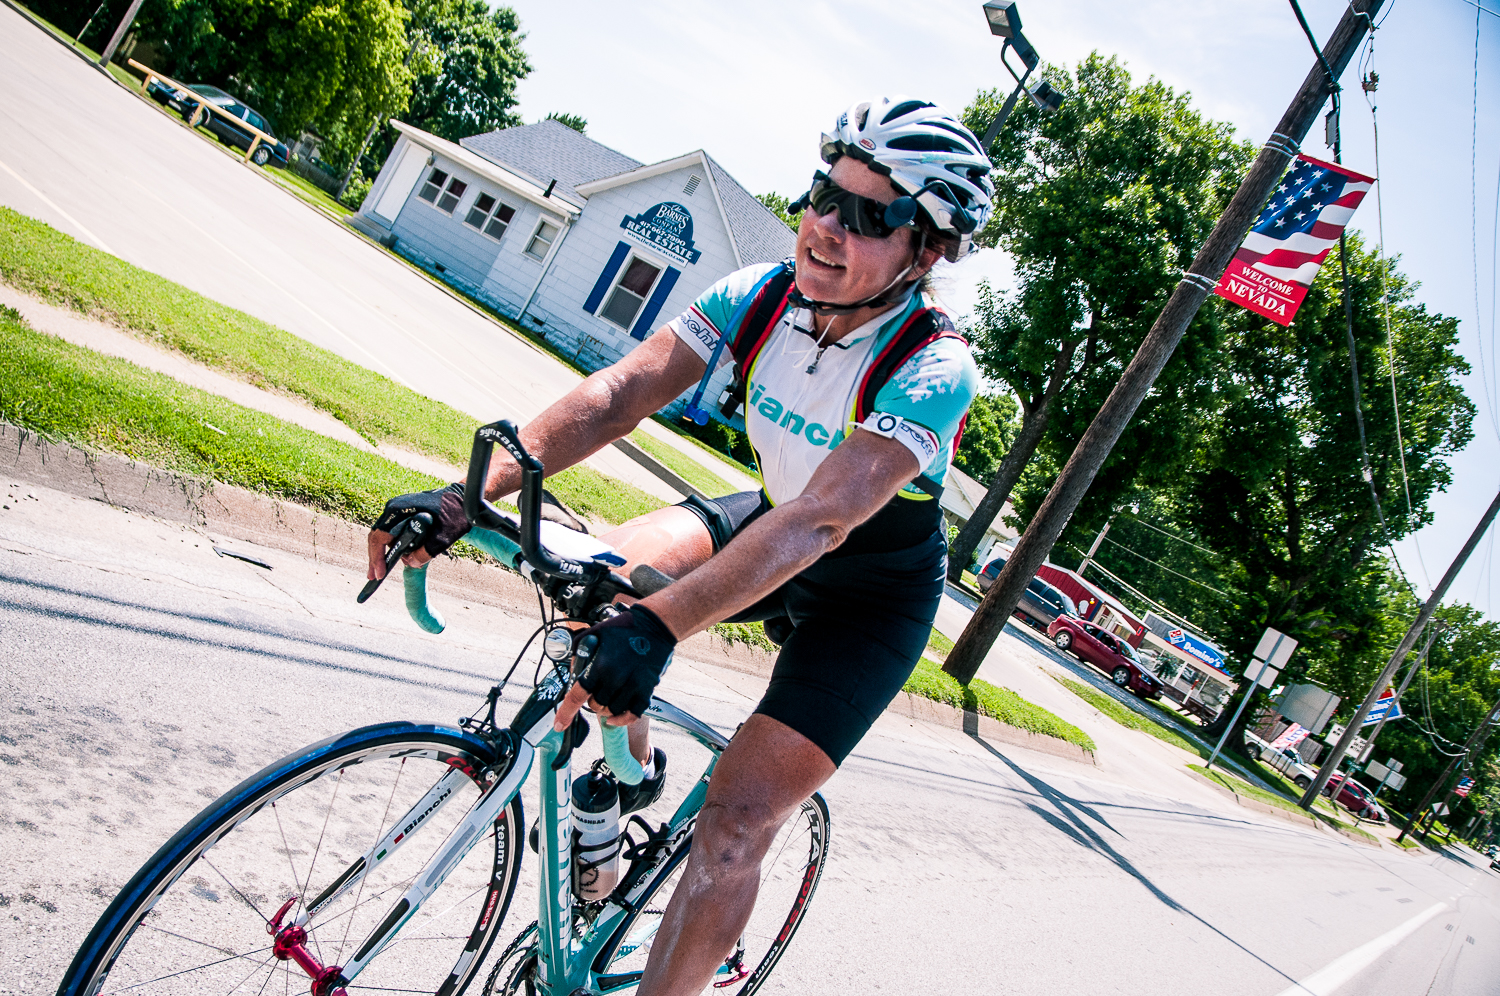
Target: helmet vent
{"points": [[905, 107], [929, 143]]}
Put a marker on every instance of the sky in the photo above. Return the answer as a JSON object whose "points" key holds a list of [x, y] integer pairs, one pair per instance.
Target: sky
{"points": [[755, 85]]}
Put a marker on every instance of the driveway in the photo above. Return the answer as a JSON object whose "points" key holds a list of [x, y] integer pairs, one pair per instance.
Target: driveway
{"points": [[87, 157]]}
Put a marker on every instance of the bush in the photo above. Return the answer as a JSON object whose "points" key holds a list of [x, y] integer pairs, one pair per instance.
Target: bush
{"points": [[354, 194]]}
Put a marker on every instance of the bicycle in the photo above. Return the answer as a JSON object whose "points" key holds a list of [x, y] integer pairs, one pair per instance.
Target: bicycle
{"points": [[238, 900]]}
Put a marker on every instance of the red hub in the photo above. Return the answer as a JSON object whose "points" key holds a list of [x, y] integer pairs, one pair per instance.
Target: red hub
{"points": [[291, 945]]}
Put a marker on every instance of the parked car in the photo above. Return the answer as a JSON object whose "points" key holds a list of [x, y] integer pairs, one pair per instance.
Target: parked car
{"points": [[1106, 652], [227, 116], [1040, 602], [1286, 760], [1355, 798]]}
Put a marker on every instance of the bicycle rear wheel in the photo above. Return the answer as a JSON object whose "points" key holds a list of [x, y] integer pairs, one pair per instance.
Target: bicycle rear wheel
{"points": [[194, 919], [789, 876]]}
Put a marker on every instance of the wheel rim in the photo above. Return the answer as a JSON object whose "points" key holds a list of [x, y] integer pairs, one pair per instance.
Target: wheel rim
{"points": [[1122, 677], [789, 876], [205, 931]]}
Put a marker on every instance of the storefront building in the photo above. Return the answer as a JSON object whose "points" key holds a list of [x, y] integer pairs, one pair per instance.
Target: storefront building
{"points": [[568, 237]]}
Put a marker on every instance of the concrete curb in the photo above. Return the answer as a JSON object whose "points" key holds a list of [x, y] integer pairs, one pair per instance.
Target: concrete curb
{"points": [[976, 724], [1284, 814], [225, 511]]}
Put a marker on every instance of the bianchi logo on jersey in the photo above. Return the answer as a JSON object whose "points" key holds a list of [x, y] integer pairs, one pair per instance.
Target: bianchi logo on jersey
{"points": [[698, 327]]}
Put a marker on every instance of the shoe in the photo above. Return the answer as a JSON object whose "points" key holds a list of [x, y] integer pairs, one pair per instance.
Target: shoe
{"points": [[634, 797]]}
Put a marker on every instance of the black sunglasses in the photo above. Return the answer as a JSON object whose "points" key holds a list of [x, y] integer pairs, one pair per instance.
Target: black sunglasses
{"points": [[861, 215]]}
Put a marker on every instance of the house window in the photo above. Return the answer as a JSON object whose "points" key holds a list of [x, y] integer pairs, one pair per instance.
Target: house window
{"points": [[624, 302], [541, 242], [442, 191], [489, 216]]}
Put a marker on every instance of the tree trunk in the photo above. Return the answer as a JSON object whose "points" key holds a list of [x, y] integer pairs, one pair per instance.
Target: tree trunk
{"points": [[1033, 427]]}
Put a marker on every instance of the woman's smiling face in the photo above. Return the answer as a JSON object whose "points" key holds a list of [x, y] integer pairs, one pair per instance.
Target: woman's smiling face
{"points": [[841, 267]]}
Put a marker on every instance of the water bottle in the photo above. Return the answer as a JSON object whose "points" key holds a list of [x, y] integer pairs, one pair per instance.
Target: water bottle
{"points": [[596, 824]]}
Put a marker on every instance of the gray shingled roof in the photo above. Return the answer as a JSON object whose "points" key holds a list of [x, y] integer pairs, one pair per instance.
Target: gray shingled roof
{"points": [[759, 234], [548, 150]]}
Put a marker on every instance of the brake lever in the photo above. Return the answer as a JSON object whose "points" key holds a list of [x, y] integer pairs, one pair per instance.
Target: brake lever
{"points": [[406, 535]]}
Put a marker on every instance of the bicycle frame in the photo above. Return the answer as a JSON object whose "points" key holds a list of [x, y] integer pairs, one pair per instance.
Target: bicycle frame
{"points": [[565, 961]]}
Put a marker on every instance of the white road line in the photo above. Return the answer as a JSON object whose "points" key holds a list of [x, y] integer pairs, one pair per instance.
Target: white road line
{"points": [[1326, 980], [53, 205]]}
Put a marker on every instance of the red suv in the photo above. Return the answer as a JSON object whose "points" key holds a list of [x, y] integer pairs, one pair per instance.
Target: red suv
{"points": [[1106, 652], [1354, 797]]}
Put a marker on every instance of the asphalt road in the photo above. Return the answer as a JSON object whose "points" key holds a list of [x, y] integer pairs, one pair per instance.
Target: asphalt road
{"points": [[143, 675]]}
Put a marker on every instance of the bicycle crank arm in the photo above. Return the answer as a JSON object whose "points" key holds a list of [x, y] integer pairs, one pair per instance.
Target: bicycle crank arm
{"points": [[399, 833], [459, 842]]}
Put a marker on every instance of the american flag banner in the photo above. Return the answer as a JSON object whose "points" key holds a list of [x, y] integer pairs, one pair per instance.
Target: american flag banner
{"points": [[1465, 785], [1295, 232]]}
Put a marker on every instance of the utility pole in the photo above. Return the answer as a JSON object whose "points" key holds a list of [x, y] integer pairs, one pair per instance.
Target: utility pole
{"points": [[1411, 672], [1157, 348], [119, 35], [1402, 649], [1480, 731], [1088, 558]]}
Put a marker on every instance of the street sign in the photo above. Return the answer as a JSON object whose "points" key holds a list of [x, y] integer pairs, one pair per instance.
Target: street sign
{"points": [[1275, 648], [1385, 707], [1440, 809], [1261, 673]]}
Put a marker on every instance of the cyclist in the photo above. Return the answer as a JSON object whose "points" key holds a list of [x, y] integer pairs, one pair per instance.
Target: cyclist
{"points": [[841, 553]]}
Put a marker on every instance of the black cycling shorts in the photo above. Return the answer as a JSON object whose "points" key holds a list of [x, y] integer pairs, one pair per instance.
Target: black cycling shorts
{"points": [[852, 626]]}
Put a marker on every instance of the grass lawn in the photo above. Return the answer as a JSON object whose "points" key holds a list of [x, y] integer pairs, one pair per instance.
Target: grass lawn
{"points": [[683, 466], [939, 644], [63, 391], [309, 192], [1240, 787], [930, 681], [37, 258], [1128, 717], [717, 454]]}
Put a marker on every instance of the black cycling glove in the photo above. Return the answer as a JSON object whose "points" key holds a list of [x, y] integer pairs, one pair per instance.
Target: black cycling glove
{"points": [[445, 505], [621, 659]]}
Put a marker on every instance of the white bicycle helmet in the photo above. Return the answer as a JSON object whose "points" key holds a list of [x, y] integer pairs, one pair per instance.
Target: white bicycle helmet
{"points": [[928, 154]]}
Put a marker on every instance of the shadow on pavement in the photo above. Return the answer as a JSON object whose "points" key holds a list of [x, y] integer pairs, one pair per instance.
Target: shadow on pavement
{"points": [[1068, 818]]}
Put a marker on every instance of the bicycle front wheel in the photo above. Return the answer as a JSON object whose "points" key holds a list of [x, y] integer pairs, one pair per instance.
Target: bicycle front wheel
{"points": [[789, 876], [194, 919]]}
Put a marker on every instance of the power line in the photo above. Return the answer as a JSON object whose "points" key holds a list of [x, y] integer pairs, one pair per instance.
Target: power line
{"points": [[1179, 539], [1168, 569]]}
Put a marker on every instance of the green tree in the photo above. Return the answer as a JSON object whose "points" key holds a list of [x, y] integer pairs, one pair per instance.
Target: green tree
{"points": [[777, 205], [575, 121], [304, 64], [466, 61], [1102, 206], [1277, 486], [994, 420]]}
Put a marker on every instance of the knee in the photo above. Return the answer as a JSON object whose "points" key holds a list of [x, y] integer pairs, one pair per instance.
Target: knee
{"points": [[733, 834]]}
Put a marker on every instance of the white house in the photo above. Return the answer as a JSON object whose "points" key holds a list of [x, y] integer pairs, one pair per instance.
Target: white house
{"points": [[567, 236]]}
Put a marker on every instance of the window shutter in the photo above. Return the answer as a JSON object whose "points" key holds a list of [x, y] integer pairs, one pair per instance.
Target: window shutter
{"points": [[606, 278], [653, 307]]}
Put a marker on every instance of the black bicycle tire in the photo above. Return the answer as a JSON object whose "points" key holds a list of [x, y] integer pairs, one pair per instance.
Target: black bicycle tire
{"points": [[95, 958], [789, 928]]}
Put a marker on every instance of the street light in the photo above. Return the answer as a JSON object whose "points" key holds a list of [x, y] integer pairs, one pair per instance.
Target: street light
{"points": [[1005, 22]]}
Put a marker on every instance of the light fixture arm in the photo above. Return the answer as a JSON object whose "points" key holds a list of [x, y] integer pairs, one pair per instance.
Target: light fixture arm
{"points": [[1010, 103]]}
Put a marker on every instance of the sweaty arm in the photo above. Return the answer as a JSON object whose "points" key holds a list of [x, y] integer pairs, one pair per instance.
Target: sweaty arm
{"points": [[605, 407]]}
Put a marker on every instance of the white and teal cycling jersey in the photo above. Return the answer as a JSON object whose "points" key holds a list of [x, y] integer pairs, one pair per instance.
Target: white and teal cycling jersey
{"points": [[800, 399]]}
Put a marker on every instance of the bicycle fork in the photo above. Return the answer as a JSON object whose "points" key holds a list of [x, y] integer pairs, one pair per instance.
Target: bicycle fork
{"points": [[290, 940]]}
